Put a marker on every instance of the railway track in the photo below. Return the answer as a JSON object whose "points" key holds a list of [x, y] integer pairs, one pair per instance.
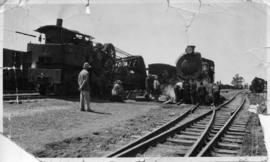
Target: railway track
{"points": [[227, 141], [157, 131], [187, 138]]}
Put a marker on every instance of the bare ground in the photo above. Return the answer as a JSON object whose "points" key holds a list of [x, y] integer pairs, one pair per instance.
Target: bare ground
{"points": [[254, 140], [35, 124], [56, 128]]}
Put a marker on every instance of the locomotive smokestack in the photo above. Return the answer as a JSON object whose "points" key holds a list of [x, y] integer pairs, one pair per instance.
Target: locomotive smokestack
{"points": [[59, 22]]}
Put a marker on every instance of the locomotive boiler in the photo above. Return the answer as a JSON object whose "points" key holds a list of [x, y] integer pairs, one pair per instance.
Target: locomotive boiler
{"points": [[192, 65]]}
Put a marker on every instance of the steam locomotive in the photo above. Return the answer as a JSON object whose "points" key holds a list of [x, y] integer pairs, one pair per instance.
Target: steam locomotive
{"points": [[258, 85], [59, 60], [192, 66]]}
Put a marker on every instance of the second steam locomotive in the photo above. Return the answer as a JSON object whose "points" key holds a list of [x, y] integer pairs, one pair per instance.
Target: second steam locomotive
{"points": [[197, 77]]}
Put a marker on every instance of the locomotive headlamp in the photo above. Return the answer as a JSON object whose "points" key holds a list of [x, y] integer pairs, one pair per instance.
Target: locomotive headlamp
{"points": [[190, 49]]}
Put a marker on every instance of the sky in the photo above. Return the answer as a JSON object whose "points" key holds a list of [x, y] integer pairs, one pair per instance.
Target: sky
{"points": [[233, 35]]}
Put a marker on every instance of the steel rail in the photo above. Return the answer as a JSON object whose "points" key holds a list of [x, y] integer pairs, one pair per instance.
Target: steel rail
{"points": [[215, 139], [161, 137], [157, 131], [157, 134], [198, 145], [193, 151]]}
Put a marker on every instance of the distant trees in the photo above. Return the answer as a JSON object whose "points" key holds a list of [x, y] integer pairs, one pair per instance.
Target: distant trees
{"points": [[237, 81]]}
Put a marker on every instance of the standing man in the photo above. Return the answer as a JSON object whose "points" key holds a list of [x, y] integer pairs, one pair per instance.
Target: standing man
{"points": [[209, 97], [156, 86], [193, 90], [216, 93], [186, 87], [84, 88], [201, 94], [42, 81], [148, 86]]}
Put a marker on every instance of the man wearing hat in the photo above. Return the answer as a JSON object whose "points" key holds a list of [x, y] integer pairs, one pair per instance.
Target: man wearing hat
{"points": [[84, 88]]}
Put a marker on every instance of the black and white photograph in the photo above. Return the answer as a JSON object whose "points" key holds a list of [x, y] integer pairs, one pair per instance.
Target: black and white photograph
{"points": [[145, 80]]}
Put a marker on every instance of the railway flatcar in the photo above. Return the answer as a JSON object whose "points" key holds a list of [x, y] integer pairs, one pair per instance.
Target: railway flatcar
{"points": [[258, 85]]}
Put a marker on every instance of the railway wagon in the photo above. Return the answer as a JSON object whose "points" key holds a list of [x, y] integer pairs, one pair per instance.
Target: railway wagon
{"points": [[15, 70], [62, 55], [258, 85], [166, 73]]}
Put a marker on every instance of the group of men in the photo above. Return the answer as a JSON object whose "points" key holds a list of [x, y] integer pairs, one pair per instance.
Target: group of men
{"points": [[192, 92], [188, 91]]}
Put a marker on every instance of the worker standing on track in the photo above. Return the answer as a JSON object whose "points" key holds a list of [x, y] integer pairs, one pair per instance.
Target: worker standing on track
{"points": [[201, 94], [84, 87], [209, 97], [216, 93], [186, 87], [193, 90]]}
